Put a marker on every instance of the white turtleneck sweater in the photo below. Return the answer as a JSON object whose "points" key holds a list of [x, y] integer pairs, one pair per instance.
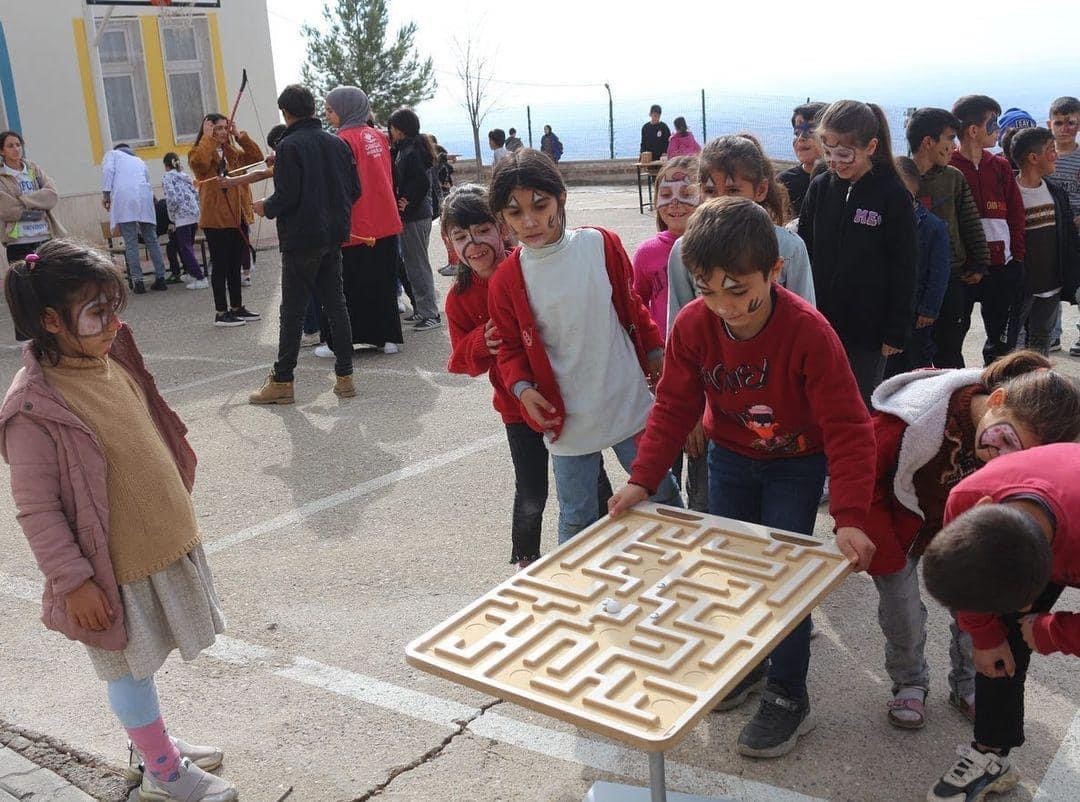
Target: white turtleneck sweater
{"points": [[606, 396]]}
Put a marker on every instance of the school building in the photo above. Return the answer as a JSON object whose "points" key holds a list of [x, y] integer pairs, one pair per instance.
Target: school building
{"points": [[157, 72]]}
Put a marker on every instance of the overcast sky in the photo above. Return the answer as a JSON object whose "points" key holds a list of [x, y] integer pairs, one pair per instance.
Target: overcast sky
{"points": [[792, 48]]}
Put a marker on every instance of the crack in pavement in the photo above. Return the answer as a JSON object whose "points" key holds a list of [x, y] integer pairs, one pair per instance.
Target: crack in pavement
{"points": [[429, 755]]}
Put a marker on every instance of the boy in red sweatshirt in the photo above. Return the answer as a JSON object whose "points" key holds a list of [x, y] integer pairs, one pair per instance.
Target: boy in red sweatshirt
{"points": [[779, 400], [1010, 546], [1001, 211]]}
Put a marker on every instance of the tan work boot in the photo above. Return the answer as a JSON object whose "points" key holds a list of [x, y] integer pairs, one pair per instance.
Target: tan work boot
{"points": [[344, 387], [273, 392]]}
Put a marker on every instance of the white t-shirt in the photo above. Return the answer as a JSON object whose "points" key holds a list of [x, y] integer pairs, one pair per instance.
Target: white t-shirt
{"points": [[605, 393]]}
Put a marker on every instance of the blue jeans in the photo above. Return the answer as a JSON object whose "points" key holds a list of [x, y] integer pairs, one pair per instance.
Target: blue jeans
{"points": [[575, 484], [780, 493], [130, 232]]}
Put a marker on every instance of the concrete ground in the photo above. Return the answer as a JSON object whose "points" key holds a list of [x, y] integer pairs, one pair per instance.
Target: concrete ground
{"points": [[339, 530]]}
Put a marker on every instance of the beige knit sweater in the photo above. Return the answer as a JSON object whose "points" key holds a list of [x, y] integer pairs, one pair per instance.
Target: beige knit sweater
{"points": [[151, 518]]}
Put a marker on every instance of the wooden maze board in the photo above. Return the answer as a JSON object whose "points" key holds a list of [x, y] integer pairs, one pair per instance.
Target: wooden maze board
{"points": [[637, 627]]}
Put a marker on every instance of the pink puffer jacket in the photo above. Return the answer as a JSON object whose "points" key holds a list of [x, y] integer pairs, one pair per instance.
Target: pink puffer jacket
{"points": [[58, 474]]}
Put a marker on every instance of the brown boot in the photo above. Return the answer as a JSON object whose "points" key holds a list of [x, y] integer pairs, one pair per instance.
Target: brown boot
{"points": [[273, 392], [344, 387]]}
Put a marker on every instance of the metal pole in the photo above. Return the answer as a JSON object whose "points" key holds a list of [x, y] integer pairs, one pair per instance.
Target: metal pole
{"points": [[704, 130], [93, 34], [610, 121], [657, 784], [528, 120]]}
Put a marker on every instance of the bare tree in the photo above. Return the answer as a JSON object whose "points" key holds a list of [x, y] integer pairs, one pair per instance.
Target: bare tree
{"points": [[475, 71]]}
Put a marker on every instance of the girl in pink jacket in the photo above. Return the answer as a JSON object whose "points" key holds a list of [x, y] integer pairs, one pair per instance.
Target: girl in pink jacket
{"points": [[84, 429]]}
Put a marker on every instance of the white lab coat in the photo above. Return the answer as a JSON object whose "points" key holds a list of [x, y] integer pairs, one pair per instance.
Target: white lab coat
{"points": [[127, 178]]}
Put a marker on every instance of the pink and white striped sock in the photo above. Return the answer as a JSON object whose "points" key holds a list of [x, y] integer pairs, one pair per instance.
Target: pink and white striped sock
{"points": [[160, 756]]}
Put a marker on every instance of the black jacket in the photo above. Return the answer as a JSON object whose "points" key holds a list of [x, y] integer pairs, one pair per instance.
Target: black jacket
{"points": [[412, 179], [315, 187], [1068, 242], [863, 253]]}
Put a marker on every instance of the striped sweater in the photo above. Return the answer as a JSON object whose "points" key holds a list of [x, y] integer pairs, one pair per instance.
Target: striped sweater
{"points": [[945, 192]]}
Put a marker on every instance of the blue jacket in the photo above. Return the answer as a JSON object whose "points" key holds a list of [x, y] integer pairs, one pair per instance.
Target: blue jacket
{"points": [[934, 268]]}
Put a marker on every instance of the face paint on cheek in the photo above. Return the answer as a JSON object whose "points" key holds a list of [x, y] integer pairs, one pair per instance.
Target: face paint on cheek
{"points": [[681, 191], [1001, 438], [90, 321], [755, 305]]}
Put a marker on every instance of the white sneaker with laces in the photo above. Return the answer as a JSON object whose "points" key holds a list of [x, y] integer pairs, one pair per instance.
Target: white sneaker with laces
{"points": [[973, 776], [308, 340], [324, 352], [193, 785], [390, 348]]}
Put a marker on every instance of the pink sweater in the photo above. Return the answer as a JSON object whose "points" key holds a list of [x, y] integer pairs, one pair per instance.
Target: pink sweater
{"points": [[682, 145], [651, 276]]}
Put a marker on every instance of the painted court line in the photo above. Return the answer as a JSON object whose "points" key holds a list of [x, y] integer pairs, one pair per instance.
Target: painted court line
{"points": [[603, 756], [1062, 778], [351, 494]]}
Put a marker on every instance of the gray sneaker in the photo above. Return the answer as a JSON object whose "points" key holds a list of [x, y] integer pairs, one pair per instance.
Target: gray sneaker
{"points": [[1075, 349], [427, 324], [973, 776], [206, 758], [754, 682], [777, 725], [192, 784]]}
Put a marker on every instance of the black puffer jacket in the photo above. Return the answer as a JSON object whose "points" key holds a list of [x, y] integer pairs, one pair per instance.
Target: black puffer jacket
{"points": [[863, 252], [315, 186], [412, 178]]}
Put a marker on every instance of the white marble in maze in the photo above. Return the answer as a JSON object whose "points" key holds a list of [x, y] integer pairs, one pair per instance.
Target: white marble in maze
{"points": [[636, 627]]}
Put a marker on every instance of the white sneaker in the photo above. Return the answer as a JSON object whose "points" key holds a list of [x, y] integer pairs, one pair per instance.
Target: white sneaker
{"points": [[308, 340], [390, 348], [324, 352], [206, 758], [401, 307], [973, 776], [191, 785]]}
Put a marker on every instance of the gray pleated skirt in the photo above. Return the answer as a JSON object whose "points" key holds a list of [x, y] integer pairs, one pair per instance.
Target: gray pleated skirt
{"points": [[175, 608]]}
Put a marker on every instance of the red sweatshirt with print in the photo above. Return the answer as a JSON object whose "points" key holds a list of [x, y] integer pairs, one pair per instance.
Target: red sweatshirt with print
{"points": [[467, 316], [786, 392], [522, 356], [1046, 474]]}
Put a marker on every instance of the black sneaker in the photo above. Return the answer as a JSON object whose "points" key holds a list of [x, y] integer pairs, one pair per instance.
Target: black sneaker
{"points": [[427, 324], [776, 726], [138, 288], [974, 776], [227, 319], [413, 318], [1055, 345], [159, 285], [754, 682], [175, 278], [246, 315]]}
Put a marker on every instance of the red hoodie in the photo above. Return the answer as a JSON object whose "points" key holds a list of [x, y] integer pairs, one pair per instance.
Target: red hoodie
{"points": [[786, 392], [998, 200], [467, 314], [522, 356], [1047, 473]]}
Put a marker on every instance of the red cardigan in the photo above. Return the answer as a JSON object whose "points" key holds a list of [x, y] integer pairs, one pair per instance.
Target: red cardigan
{"points": [[522, 356], [891, 525], [467, 314]]}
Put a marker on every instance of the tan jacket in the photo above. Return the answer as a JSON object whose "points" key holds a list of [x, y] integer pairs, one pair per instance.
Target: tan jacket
{"points": [[12, 206], [226, 209]]}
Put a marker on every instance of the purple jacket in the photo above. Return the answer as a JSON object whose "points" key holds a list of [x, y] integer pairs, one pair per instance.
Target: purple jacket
{"points": [[58, 474]]}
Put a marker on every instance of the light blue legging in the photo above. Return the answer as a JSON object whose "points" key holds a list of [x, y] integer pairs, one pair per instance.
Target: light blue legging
{"points": [[134, 701]]}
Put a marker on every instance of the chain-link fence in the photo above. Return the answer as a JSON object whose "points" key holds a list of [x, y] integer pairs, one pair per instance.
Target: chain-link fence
{"points": [[591, 128]]}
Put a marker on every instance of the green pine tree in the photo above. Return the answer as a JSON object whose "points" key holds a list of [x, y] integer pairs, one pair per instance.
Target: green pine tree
{"points": [[354, 52]]}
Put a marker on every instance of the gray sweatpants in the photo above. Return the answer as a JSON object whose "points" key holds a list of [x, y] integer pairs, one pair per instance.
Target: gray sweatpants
{"points": [[902, 616], [414, 252]]}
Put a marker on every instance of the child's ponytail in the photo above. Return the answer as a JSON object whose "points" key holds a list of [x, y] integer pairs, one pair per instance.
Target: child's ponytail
{"points": [[56, 276], [1042, 399], [860, 122]]}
